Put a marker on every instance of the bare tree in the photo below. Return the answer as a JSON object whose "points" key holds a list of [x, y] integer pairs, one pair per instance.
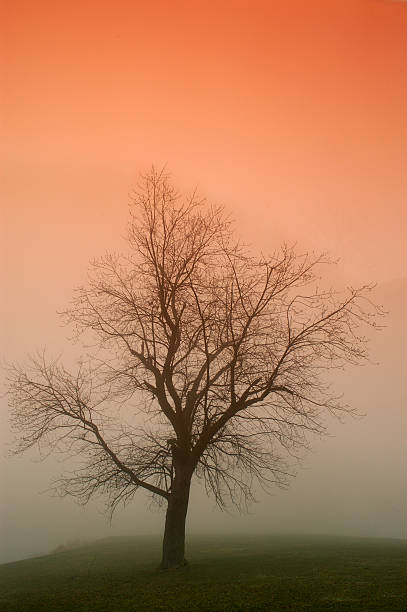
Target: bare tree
{"points": [[223, 353]]}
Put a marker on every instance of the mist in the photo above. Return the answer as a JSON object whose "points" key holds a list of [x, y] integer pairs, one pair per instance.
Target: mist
{"points": [[350, 482], [292, 115]]}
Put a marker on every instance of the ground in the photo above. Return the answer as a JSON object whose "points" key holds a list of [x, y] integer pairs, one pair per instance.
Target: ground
{"points": [[270, 573]]}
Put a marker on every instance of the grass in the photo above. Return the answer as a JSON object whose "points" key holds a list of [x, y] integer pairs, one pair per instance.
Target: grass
{"points": [[272, 573]]}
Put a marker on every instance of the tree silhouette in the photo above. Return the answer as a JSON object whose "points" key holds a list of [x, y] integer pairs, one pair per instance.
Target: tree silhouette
{"points": [[219, 355]]}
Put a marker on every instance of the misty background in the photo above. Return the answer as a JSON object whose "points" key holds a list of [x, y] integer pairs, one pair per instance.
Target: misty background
{"points": [[292, 115], [351, 482]]}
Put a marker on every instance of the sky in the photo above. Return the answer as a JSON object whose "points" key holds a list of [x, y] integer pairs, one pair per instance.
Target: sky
{"points": [[289, 113]]}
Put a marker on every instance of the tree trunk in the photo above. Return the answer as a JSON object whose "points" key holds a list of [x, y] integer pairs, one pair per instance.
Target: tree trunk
{"points": [[174, 533]]}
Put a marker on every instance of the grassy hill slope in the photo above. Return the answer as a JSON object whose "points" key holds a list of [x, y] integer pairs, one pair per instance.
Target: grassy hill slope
{"points": [[240, 573]]}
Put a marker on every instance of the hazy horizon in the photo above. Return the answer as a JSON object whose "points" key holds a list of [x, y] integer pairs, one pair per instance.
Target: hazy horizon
{"points": [[344, 486]]}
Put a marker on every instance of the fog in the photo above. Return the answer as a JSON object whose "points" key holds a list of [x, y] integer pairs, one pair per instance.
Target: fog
{"points": [[292, 115], [351, 482]]}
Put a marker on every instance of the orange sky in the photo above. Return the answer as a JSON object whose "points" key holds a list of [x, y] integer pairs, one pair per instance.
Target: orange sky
{"points": [[292, 113]]}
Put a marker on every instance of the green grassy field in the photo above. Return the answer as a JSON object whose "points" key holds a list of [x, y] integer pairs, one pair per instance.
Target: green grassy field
{"points": [[245, 573]]}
